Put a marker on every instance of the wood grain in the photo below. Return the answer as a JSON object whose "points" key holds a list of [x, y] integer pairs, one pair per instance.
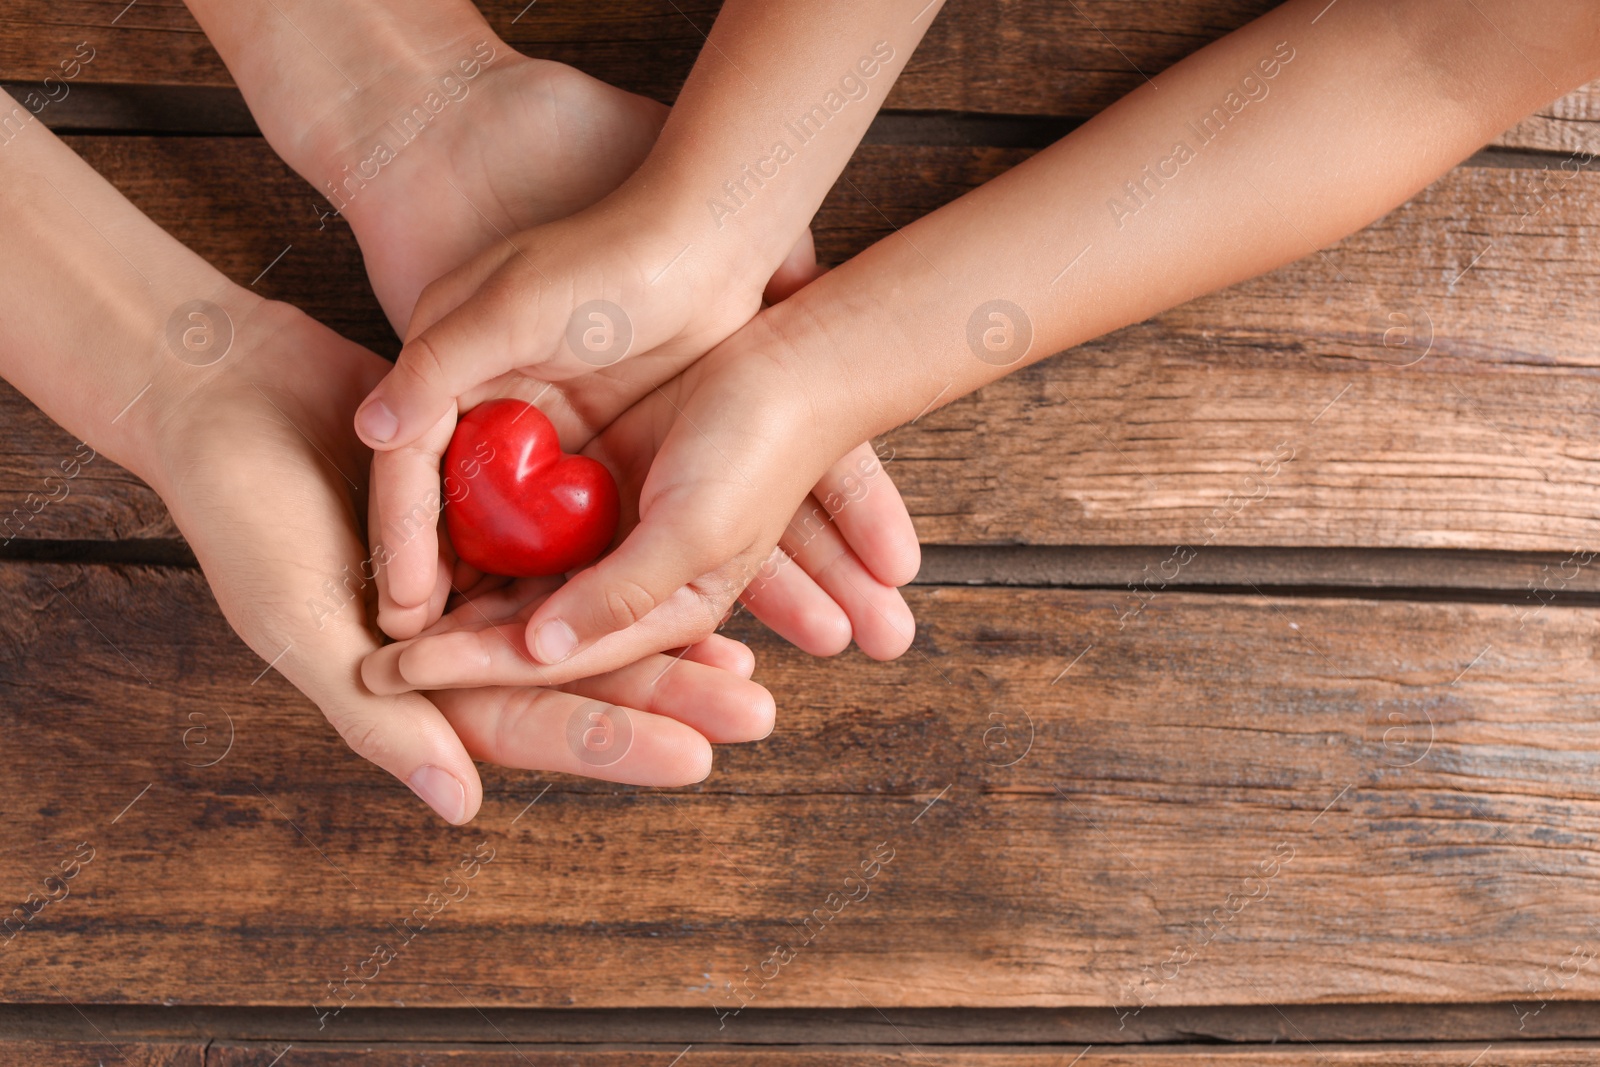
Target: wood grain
{"points": [[1472, 436], [1407, 790], [1083, 788], [1013, 57]]}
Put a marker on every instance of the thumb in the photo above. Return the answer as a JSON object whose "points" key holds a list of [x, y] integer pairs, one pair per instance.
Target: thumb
{"points": [[663, 555], [417, 395], [493, 331], [419, 390]]}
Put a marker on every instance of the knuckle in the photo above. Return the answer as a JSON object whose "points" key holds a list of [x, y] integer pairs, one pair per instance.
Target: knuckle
{"points": [[723, 585], [422, 363], [711, 522], [366, 738], [625, 603], [431, 305], [517, 709], [712, 604]]}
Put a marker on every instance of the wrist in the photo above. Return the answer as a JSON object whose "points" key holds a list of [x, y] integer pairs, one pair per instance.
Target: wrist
{"points": [[395, 76], [845, 347], [741, 240], [184, 414], [197, 334], [785, 370]]}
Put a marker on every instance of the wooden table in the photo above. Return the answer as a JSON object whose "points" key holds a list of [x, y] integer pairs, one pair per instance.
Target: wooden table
{"points": [[1328, 793]]}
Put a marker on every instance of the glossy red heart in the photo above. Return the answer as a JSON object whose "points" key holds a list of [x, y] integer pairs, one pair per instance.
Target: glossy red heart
{"points": [[515, 505]]}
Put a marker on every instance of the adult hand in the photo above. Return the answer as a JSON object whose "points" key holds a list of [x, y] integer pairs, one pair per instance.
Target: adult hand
{"points": [[256, 460]]}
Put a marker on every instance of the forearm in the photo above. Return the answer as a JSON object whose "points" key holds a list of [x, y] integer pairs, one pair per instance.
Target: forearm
{"points": [[779, 98], [326, 81], [100, 328], [1217, 173]]}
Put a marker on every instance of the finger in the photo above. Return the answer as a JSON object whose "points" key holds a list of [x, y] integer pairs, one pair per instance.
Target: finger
{"points": [[723, 707], [691, 614], [406, 489], [403, 622], [468, 584], [380, 670], [723, 653], [405, 734], [483, 656], [864, 503], [798, 270], [879, 618], [795, 607], [480, 654], [548, 730]]}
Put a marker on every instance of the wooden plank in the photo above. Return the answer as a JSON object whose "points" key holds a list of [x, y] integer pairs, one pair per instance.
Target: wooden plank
{"points": [[75, 1053], [1367, 801], [1472, 436], [1440, 1055], [944, 1027], [1017, 57]]}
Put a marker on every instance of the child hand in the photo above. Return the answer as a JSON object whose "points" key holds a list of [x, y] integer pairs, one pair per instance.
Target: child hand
{"points": [[264, 478], [813, 599], [850, 546], [726, 462]]}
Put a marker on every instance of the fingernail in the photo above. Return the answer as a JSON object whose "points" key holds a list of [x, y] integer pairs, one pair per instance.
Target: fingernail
{"points": [[554, 642], [376, 422], [442, 792]]}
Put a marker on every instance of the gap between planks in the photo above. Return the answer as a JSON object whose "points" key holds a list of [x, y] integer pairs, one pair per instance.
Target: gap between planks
{"points": [[1069, 1028], [210, 111], [1462, 575]]}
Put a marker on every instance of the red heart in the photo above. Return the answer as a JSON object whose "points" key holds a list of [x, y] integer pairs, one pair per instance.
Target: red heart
{"points": [[515, 505]]}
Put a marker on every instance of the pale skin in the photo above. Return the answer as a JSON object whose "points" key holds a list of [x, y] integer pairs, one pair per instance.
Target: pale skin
{"points": [[515, 148], [1362, 108], [249, 444]]}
